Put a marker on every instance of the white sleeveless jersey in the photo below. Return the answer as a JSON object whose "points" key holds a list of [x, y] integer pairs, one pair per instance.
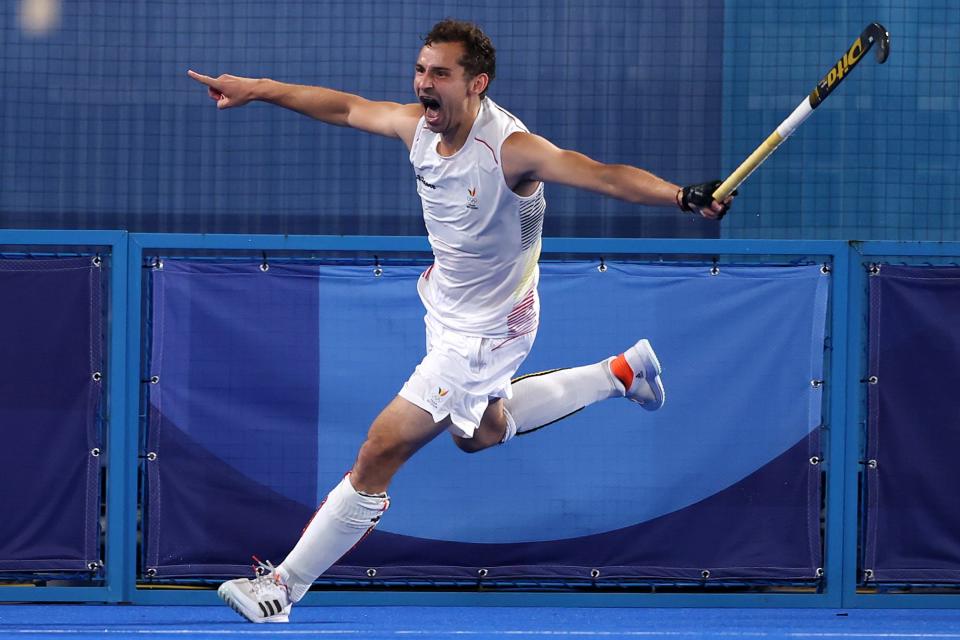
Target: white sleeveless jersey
{"points": [[485, 238]]}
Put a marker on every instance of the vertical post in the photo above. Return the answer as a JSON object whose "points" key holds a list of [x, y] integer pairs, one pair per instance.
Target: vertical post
{"points": [[836, 427], [852, 430], [118, 524], [124, 479]]}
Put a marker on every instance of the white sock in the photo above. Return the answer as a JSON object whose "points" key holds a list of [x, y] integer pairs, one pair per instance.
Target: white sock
{"points": [[338, 525], [542, 398]]}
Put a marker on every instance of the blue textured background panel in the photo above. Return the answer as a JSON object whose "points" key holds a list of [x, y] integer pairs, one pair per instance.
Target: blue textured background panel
{"points": [[102, 129]]}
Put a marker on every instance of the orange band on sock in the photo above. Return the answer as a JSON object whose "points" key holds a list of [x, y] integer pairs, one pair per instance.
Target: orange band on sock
{"points": [[622, 371]]}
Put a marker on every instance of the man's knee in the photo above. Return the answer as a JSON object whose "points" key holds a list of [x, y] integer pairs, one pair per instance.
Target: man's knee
{"points": [[469, 445], [378, 451]]}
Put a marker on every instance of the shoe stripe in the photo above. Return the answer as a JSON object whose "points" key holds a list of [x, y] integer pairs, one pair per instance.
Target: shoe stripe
{"points": [[622, 371], [276, 603], [270, 608], [264, 610]]}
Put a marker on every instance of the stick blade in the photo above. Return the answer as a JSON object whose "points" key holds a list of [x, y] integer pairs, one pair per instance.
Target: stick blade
{"points": [[877, 34]]}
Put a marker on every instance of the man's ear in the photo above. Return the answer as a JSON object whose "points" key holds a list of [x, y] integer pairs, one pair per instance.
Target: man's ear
{"points": [[479, 83]]}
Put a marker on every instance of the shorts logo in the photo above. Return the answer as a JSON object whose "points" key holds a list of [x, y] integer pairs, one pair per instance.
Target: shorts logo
{"points": [[438, 398], [472, 203]]}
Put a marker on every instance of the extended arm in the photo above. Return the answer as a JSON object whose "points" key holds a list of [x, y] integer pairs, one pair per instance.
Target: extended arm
{"points": [[530, 157], [389, 119]]}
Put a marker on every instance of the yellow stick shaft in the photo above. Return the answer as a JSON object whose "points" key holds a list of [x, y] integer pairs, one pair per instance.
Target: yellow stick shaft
{"points": [[748, 166]]}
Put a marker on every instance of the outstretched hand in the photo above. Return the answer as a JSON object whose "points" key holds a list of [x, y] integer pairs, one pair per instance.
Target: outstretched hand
{"points": [[228, 91]]}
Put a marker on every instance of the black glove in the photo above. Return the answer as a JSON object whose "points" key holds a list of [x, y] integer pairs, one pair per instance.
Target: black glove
{"points": [[700, 196]]}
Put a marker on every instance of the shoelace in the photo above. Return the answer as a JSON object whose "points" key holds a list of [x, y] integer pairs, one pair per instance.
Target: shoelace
{"points": [[266, 575]]}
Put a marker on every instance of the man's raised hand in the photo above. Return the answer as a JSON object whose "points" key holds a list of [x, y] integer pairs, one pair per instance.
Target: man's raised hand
{"points": [[228, 91]]}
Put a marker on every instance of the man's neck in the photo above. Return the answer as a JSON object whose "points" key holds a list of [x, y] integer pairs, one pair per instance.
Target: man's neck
{"points": [[453, 141]]}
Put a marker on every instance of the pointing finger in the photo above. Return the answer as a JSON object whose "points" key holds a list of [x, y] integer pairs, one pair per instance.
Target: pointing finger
{"points": [[199, 77]]}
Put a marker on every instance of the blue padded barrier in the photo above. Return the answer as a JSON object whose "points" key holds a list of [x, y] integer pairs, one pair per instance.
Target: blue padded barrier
{"points": [[612, 491], [50, 391], [912, 527]]}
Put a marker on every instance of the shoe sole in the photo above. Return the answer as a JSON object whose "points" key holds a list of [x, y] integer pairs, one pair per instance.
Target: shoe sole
{"points": [[651, 374]]}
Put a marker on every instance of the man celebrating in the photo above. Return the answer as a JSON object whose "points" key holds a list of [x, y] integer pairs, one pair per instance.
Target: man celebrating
{"points": [[480, 176]]}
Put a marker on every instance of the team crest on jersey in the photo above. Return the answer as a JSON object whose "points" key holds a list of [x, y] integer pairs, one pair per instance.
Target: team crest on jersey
{"points": [[472, 203]]}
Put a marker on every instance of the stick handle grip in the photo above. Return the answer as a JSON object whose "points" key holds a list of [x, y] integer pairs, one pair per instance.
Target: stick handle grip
{"points": [[747, 167]]}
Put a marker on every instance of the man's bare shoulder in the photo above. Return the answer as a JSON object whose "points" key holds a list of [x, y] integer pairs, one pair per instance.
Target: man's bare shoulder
{"points": [[522, 153], [406, 118]]}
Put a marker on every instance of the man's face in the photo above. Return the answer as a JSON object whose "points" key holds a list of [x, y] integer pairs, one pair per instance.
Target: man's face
{"points": [[442, 86]]}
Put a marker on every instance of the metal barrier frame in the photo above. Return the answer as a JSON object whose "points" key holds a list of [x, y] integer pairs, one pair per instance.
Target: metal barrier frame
{"points": [[834, 251], [842, 437]]}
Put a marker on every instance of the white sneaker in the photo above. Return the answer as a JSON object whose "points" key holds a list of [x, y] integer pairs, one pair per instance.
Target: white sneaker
{"points": [[262, 599], [647, 388]]}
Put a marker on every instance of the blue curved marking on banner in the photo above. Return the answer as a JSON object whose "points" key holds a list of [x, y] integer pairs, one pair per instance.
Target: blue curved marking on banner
{"points": [[722, 534], [739, 350]]}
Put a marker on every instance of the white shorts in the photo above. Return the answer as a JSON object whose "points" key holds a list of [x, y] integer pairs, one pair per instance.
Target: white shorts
{"points": [[460, 374]]}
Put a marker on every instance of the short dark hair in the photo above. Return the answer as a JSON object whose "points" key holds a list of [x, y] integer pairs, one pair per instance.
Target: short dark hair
{"points": [[479, 55]]}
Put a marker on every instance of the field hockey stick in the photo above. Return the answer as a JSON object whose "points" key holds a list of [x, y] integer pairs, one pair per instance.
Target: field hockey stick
{"points": [[874, 33]]}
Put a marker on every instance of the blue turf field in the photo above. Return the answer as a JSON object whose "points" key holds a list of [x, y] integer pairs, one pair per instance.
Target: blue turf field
{"points": [[475, 623]]}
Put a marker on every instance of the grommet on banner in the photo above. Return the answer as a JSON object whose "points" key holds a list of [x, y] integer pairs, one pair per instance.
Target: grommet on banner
{"points": [[715, 269], [873, 268], [871, 464], [151, 456], [94, 566], [154, 379], [95, 452], [819, 572], [371, 573], [825, 269], [602, 268], [482, 573], [97, 261], [594, 573], [264, 266], [377, 269], [151, 572], [872, 380], [157, 263], [815, 460], [705, 574], [816, 384], [867, 575], [96, 376]]}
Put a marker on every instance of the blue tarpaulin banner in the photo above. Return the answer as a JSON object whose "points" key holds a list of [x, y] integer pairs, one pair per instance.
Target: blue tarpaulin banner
{"points": [[911, 532], [269, 380], [52, 346]]}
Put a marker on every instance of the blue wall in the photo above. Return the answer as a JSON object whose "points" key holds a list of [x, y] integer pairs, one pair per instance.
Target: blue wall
{"points": [[878, 160], [100, 127]]}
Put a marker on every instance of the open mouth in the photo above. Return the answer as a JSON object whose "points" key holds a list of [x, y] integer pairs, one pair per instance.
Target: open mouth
{"points": [[431, 107]]}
